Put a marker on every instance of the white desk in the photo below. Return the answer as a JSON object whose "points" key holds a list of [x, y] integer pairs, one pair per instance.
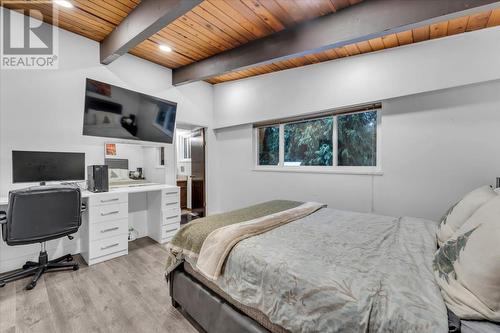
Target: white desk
{"points": [[104, 229]]}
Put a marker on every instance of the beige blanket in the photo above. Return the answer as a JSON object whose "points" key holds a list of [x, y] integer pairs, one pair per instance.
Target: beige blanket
{"points": [[187, 242], [219, 242]]}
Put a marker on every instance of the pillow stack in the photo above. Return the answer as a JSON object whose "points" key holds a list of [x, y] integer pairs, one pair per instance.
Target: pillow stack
{"points": [[460, 212], [467, 265]]}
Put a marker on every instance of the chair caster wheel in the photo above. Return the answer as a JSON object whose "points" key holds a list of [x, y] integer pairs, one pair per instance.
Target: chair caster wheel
{"points": [[31, 286], [75, 268], [2, 283]]}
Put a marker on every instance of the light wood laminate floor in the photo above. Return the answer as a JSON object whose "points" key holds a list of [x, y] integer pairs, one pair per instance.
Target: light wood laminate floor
{"points": [[126, 294]]}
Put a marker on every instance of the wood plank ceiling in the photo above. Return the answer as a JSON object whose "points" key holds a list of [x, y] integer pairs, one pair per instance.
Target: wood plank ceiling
{"points": [[215, 26], [433, 31], [94, 19], [219, 25]]}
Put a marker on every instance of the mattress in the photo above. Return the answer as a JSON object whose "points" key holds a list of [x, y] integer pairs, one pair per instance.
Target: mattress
{"points": [[381, 264], [467, 326], [255, 314], [339, 271]]}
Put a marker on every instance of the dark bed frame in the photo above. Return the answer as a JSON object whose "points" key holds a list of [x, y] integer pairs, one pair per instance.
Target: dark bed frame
{"points": [[207, 311]]}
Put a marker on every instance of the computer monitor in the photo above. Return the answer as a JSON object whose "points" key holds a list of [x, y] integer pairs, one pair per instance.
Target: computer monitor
{"points": [[39, 166]]}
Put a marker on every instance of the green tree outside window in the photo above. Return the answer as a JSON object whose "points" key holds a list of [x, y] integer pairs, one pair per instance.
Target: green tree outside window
{"points": [[309, 143], [357, 139], [269, 145]]}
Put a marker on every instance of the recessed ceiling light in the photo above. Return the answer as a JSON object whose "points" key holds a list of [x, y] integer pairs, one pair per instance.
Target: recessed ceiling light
{"points": [[64, 3], [165, 48]]}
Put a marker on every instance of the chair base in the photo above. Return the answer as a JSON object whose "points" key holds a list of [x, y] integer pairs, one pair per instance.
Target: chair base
{"points": [[37, 269]]}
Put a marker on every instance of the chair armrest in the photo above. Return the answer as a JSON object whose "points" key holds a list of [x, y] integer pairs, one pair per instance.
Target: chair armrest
{"points": [[3, 217]]}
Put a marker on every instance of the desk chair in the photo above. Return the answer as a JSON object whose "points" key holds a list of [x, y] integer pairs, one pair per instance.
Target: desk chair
{"points": [[36, 215]]}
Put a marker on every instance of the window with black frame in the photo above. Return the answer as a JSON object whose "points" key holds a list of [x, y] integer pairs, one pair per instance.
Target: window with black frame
{"points": [[326, 142]]}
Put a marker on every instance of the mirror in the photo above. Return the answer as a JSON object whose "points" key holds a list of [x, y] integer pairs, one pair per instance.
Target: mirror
{"points": [[126, 165]]}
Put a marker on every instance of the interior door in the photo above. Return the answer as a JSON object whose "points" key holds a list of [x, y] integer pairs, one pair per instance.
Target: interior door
{"points": [[198, 172]]}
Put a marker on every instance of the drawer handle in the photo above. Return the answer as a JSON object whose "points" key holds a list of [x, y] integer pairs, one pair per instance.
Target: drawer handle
{"points": [[110, 200], [172, 217], [110, 229], [169, 193], [109, 246], [171, 230], [110, 213], [171, 203]]}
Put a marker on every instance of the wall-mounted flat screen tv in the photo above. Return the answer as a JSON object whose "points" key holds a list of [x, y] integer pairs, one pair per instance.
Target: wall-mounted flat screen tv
{"points": [[119, 113]]}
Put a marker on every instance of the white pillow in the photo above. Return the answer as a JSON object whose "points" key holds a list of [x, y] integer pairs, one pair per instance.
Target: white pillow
{"points": [[467, 266], [456, 216]]}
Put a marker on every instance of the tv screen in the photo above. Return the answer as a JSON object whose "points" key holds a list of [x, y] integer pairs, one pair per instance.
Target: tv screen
{"points": [[119, 113], [40, 166]]}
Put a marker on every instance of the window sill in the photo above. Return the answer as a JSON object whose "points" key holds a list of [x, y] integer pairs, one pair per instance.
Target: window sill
{"points": [[334, 170]]}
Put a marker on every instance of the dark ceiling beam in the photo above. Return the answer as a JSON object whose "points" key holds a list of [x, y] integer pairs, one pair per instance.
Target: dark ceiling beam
{"points": [[364, 21], [149, 17]]}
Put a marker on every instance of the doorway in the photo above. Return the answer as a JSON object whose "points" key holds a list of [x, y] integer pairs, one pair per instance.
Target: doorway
{"points": [[191, 144]]}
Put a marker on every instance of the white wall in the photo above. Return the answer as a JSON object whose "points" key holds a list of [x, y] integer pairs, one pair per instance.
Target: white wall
{"points": [[439, 127], [428, 66], [43, 110], [435, 147]]}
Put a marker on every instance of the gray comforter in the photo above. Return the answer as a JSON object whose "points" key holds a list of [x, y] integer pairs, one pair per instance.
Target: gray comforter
{"points": [[338, 271]]}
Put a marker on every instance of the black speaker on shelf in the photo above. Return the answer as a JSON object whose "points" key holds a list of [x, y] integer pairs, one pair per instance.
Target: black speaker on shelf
{"points": [[97, 178]]}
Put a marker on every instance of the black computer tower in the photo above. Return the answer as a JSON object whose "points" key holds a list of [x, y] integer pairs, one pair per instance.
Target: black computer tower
{"points": [[97, 178]]}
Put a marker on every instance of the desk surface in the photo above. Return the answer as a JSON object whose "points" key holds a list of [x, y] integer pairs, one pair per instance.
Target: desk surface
{"points": [[133, 189]]}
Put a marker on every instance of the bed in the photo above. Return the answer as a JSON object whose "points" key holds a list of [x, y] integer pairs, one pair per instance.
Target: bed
{"points": [[323, 270]]}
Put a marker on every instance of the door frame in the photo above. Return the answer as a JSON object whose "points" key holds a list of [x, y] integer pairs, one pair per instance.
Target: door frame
{"points": [[193, 127]]}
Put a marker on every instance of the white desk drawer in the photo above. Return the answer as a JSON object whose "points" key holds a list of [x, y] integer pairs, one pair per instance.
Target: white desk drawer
{"points": [[170, 196], [107, 246], [108, 213], [171, 219], [172, 211], [171, 205], [170, 227], [167, 233], [108, 199], [109, 229]]}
